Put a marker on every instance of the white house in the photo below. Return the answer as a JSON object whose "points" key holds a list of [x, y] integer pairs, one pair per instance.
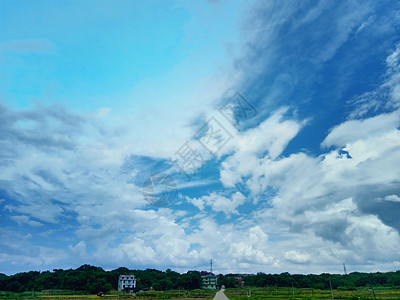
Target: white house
{"points": [[126, 282], [209, 281]]}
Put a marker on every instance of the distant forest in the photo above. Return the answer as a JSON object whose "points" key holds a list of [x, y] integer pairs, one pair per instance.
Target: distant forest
{"points": [[91, 279]]}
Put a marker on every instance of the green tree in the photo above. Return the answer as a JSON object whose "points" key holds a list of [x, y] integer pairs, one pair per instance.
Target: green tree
{"points": [[227, 281], [166, 284], [14, 286], [191, 280]]}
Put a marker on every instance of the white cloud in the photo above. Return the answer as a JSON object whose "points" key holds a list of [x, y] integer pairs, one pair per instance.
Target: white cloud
{"points": [[393, 81], [314, 197], [243, 252], [314, 194], [387, 96], [365, 24], [296, 257], [231, 245], [198, 202], [219, 203], [26, 220], [254, 146], [252, 247], [355, 130], [393, 198], [46, 212], [79, 249]]}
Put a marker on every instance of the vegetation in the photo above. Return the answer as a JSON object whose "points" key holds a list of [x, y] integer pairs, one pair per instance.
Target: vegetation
{"points": [[90, 280], [323, 281], [113, 295], [280, 293]]}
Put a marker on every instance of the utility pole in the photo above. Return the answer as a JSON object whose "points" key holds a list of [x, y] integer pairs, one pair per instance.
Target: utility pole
{"points": [[344, 269], [330, 285], [210, 265]]}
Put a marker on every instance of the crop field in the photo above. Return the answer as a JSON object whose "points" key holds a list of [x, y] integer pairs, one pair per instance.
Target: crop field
{"points": [[295, 293], [270, 293], [172, 294]]}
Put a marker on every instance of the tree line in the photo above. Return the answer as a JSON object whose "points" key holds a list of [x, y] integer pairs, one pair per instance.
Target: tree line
{"points": [[323, 281], [92, 279]]}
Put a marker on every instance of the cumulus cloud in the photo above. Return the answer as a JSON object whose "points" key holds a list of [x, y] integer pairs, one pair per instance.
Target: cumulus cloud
{"points": [[296, 257], [393, 198], [346, 197], [252, 248], [354, 130], [310, 188], [219, 203], [254, 146]]}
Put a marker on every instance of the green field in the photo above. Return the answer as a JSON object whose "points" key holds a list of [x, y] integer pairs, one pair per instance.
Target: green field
{"points": [[232, 294], [62, 295], [294, 293]]}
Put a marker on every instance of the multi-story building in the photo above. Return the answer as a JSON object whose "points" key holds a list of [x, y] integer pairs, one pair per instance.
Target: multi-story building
{"points": [[239, 280], [126, 282], [209, 280]]}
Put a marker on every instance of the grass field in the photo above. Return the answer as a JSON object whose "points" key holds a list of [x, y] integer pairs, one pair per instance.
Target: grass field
{"points": [[173, 294], [233, 294], [293, 293]]}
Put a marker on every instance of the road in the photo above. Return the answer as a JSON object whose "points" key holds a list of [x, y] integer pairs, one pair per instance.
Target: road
{"points": [[220, 295]]}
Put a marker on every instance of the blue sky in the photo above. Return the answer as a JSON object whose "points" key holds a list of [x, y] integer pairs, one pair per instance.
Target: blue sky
{"points": [[163, 134]]}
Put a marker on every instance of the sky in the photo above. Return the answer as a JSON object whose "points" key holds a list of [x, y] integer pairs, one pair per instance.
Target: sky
{"points": [[264, 135]]}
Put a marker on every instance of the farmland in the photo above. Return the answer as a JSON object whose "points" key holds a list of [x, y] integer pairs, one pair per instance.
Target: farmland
{"points": [[63, 295], [271, 293], [307, 293]]}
